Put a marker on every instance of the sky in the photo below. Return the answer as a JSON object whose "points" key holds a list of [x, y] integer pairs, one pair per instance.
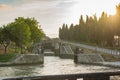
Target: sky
{"points": [[51, 14]]}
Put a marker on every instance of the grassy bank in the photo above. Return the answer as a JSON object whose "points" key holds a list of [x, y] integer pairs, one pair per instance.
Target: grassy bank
{"points": [[7, 57]]}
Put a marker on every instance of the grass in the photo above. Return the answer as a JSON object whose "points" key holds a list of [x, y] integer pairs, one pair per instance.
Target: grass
{"points": [[7, 57]]}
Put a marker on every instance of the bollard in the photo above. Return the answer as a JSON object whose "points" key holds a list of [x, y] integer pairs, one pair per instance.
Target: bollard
{"points": [[75, 55], [75, 58]]}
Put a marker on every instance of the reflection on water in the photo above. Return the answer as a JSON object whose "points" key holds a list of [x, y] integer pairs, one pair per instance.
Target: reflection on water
{"points": [[52, 65]]}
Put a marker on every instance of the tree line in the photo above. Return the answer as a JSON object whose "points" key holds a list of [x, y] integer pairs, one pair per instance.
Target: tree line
{"points": [[23, 32], [93, 30]]}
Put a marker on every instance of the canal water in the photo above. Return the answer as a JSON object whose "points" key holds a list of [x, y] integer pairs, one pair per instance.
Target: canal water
{"points": [[51, 66]]}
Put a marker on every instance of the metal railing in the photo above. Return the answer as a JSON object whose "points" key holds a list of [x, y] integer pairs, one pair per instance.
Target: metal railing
{"points": [[84, 76]]}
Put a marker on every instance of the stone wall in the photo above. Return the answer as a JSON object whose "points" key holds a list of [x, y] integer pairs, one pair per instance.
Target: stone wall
{"points": [[89, 58], [29, 59]]}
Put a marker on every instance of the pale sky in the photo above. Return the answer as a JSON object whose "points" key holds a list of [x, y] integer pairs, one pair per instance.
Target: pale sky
{"points": [[51, 14]]}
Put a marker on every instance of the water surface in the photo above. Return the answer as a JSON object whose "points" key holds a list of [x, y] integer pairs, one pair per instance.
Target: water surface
{"points": [[52, 65]]}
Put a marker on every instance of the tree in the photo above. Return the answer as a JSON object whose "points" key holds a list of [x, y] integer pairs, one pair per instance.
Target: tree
{"points": [[100, 32], [35, 29], [71, 32], [81, 21], [117, 16], [63, 32], [60, 33], [23, 32], [4, 38], [19, 33]]}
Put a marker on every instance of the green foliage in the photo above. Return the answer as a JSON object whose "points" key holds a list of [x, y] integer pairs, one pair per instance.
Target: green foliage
{"points": [[23, 32], [97, 31], [20, 33], [35, 29]]}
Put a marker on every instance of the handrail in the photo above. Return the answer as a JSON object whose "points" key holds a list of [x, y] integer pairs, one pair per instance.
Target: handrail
{"points": [[85, 76]]}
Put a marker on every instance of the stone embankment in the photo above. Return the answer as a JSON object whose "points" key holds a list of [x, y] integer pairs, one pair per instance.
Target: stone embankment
{"points": [[25, 59], [96, 59], [29, 59], [88, 58]]}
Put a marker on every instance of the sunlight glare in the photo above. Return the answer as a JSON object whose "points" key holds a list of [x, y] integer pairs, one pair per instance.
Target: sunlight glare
{"points": [[92, 7]]}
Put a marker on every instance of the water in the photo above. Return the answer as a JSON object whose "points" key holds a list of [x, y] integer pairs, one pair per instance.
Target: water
{"points": [[52, 65]]}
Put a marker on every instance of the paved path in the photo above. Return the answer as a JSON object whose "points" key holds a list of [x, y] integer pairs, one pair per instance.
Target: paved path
{"points": [[109, 51]]}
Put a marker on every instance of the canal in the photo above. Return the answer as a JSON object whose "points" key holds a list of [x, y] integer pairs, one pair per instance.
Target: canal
{"points": [[52, 65]]}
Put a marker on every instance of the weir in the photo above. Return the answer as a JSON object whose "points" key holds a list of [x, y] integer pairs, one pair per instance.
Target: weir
{"points": [[66, 52]]}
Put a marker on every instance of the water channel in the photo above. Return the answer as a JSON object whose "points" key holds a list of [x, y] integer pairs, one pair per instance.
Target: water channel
{"points": [[52, 65]]}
